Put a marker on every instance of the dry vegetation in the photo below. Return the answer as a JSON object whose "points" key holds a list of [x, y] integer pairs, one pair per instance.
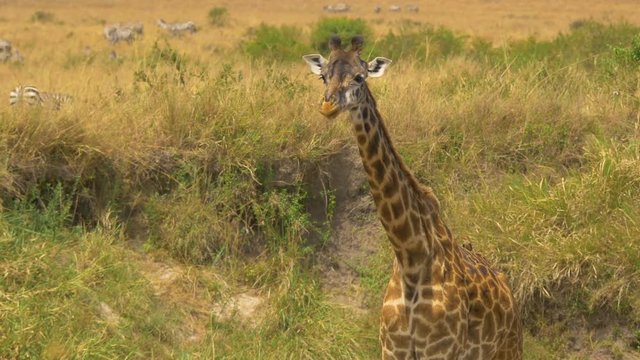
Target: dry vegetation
{"points": [[187, 204]]}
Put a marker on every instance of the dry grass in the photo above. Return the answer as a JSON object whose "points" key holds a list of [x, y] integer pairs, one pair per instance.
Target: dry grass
{"points": [[496, 20]]}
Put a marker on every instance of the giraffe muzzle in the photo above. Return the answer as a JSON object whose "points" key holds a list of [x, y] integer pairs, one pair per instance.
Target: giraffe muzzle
{"points": [[329, 109]]}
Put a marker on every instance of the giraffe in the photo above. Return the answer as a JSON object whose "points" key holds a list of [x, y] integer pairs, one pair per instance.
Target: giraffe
{"points": [[443, 300]]}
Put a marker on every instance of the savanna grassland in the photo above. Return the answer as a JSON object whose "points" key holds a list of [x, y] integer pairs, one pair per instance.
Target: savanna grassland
{"points": [[191, 202]]}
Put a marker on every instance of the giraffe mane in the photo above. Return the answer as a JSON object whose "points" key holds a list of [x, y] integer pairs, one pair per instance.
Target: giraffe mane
{"points": [[420, 188]]}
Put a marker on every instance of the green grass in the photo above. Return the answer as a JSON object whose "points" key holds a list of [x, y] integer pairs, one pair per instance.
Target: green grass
{"points": [[271, 43], [71, 293], [421, 43], [303, 325], [209, 164]]}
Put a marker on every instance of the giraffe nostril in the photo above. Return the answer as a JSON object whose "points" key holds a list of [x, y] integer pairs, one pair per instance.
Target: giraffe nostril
{"points": [[330, 98]]}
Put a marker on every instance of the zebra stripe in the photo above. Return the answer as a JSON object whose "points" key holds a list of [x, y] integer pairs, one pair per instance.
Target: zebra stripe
{"points": [[32, 96]]}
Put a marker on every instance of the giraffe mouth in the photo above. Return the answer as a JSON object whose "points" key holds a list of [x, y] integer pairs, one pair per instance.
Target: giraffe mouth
{"points": [[329, 109]]}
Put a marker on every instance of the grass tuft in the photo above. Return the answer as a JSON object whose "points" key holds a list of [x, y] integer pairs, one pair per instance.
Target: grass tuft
{"points": [[42, 16], [218, 16]]}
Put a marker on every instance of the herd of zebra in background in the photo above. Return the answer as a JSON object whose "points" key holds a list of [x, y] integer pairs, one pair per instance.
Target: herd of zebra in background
{"points": [[125, 32], [114, 33], [342, 7], [128, 32]]}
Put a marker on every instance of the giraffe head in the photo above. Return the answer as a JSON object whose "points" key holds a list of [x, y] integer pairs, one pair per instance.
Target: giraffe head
{"points": [[344, 75]]}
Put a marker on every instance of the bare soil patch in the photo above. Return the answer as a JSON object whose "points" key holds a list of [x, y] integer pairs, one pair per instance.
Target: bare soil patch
{"points": [[355, 230]]}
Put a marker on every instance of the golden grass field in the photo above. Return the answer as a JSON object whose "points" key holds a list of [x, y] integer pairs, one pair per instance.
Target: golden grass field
{"points": [[191, 202], [44, 44], [494, 19], [497, 21]]}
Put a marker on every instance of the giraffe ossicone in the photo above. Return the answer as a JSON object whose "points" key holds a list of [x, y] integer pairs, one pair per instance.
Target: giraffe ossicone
{"points": [[443, 301]]}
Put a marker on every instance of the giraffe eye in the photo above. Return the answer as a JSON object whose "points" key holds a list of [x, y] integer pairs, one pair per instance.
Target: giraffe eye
{"points": [[358, 78]]}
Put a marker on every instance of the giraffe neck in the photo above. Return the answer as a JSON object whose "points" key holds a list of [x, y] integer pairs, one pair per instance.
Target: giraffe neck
{"points": [[408, 211]]}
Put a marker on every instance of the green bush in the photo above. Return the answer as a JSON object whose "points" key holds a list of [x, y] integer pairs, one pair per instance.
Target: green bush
{"points": [[283, 220], [218, 16], [275, 43], [421, 42], [592, 38], [630, 54], [584, 44], [343, 27], [46, 211], [42, 16]]}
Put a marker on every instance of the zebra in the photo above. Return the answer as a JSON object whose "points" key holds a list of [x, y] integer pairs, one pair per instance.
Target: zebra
{"points": [[412, 8], [116, 34], [5, 50], [178, 28], [137, 27], [9, 54], [32, 96], [340, 7], [123, 32]]}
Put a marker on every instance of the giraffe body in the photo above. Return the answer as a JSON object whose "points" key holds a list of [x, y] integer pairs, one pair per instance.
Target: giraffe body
{"points": [[443, 300]]}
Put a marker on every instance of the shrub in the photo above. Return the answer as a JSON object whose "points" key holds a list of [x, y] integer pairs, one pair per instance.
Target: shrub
{"points": [[421, 42], [584, 44], [343, 27], [275, 43], [631, 54], [283, 220], [218, 16], [42, 16], [592, 38]]}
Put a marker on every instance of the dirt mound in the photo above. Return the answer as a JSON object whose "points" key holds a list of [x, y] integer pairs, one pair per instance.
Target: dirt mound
{"points": [[355, 230]]}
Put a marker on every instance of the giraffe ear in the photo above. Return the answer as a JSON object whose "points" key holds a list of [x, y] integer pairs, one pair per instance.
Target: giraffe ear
{"points": [[316, 62], [377, 66]]}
